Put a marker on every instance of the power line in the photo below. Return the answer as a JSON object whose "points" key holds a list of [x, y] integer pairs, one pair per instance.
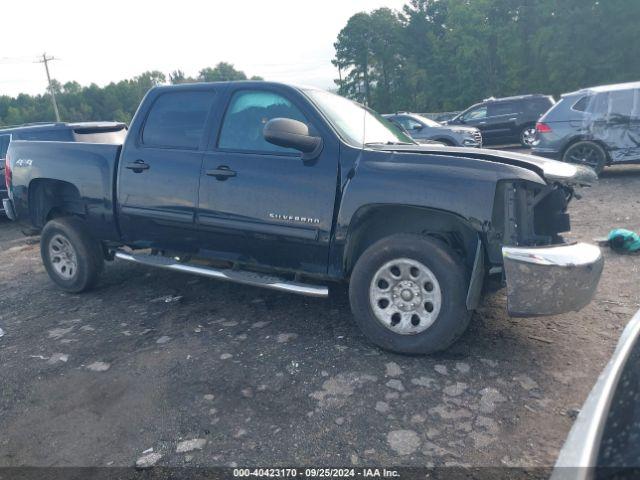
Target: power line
{"points": [[46, 61]]}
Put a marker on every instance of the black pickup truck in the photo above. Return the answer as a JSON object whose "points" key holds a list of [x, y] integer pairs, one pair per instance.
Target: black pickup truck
{"points": [[293, 188]]}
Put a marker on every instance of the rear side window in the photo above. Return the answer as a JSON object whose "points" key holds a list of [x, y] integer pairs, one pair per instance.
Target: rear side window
{"points": [[599, 106], [177, 120], [538, 106], [503, 108], [4, 145], [581, 105], [248, 113], [55, 135]]}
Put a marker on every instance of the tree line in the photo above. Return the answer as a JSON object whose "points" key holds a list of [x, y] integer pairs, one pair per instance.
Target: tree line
{"points": [[432, 55], [115, 101], [440, 55]]}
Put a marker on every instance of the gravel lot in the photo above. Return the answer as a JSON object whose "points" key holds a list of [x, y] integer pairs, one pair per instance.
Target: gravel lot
{"points": [[151, 359]]}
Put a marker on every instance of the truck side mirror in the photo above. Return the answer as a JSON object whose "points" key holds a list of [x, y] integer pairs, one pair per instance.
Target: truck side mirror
{"points": [[289, 133]]}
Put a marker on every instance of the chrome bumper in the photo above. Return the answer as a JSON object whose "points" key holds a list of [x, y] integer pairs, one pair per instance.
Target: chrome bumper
{"points": [[551, 280]]}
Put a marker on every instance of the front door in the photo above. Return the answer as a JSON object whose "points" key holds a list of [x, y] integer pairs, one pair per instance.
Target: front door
{"points": [[502, 122], [262, 204], [159, 172]]}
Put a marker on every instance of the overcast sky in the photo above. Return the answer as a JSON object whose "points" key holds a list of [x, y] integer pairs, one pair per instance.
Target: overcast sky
{"points": [[100, 42]]}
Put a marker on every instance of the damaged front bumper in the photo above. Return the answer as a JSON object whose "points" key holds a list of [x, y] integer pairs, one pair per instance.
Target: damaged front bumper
{"points": [[551, 280]]}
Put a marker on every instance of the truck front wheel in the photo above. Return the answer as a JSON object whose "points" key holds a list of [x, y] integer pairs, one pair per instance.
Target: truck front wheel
{"points": [[408, 293], [72, 257]]}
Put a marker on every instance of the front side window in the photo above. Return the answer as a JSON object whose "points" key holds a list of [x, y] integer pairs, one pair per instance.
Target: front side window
{"points": [[177, 120], [409, 123], [476, 114], [248, 113]]}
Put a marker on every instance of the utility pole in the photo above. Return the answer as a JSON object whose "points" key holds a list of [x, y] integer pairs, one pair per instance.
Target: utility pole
{"points": [[45, 60]]}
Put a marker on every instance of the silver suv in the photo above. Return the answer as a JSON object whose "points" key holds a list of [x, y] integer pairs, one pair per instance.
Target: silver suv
{"points": [[596, 126], [424, 129]]}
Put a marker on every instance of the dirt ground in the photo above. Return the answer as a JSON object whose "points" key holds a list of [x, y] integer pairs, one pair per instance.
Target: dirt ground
{"points": [[152, 358]]}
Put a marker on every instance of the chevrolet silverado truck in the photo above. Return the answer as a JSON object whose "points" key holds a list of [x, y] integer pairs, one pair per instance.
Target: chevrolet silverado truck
{"points": [[294, 188]]}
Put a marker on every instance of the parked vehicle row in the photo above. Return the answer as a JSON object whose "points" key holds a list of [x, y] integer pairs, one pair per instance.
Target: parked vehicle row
{"points": [[292, 188], [596, 126], [89, 132]]}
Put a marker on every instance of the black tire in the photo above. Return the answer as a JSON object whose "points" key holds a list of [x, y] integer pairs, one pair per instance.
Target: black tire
{"points": [[586, 153], [527, 136], [89, 257], [453, 317]]}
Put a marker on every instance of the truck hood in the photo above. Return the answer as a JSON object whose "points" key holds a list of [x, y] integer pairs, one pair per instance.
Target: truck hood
{"points": [[551, 170]]}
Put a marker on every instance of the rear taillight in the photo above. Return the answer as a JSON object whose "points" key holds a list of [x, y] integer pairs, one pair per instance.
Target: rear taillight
{"points": [[7, 171], [543, 128]]}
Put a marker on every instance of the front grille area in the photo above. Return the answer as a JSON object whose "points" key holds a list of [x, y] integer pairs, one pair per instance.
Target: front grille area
{"points": [[477, 136]]}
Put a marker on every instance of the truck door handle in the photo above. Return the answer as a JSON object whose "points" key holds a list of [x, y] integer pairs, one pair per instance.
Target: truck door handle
{"points": [[221, 173], [138, 166]]}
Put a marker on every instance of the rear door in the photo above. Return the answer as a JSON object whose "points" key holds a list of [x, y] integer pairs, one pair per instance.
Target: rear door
{"points": [[260, 203], [159, 170]]}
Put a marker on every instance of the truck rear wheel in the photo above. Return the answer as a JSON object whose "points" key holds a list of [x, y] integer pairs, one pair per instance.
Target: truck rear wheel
{"points": [[408, 294], [72, 257]]}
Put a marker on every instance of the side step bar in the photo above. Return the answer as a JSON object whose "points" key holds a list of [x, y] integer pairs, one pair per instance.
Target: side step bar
{"points": [[237, 276]]}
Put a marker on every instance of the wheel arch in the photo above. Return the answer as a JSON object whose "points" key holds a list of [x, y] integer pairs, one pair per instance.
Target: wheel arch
{"points": [[374, 222], [584, 138], [49, 198]]}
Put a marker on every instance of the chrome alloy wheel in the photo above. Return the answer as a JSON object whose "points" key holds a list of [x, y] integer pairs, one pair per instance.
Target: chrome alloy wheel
{"points": [[405, 296], [63, 257], [528, 136]]}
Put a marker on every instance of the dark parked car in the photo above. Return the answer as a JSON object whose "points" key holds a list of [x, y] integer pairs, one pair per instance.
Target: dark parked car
{"points": [[291, 188], [93, 132], [421, 128], [596, 126], [506, 120]]}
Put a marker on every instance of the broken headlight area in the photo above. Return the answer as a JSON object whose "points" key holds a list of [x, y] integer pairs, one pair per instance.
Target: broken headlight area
{"points": [[531, 214]]}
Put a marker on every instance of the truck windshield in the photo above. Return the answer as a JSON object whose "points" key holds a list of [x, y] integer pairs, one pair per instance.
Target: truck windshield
{"points": [[355, 123]]}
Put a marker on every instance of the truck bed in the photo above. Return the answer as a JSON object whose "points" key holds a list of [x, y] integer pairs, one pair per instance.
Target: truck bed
{"points": [[88, 169]]}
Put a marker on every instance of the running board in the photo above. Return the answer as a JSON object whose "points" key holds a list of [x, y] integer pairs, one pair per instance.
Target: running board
{"points": [[237, 276]]}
